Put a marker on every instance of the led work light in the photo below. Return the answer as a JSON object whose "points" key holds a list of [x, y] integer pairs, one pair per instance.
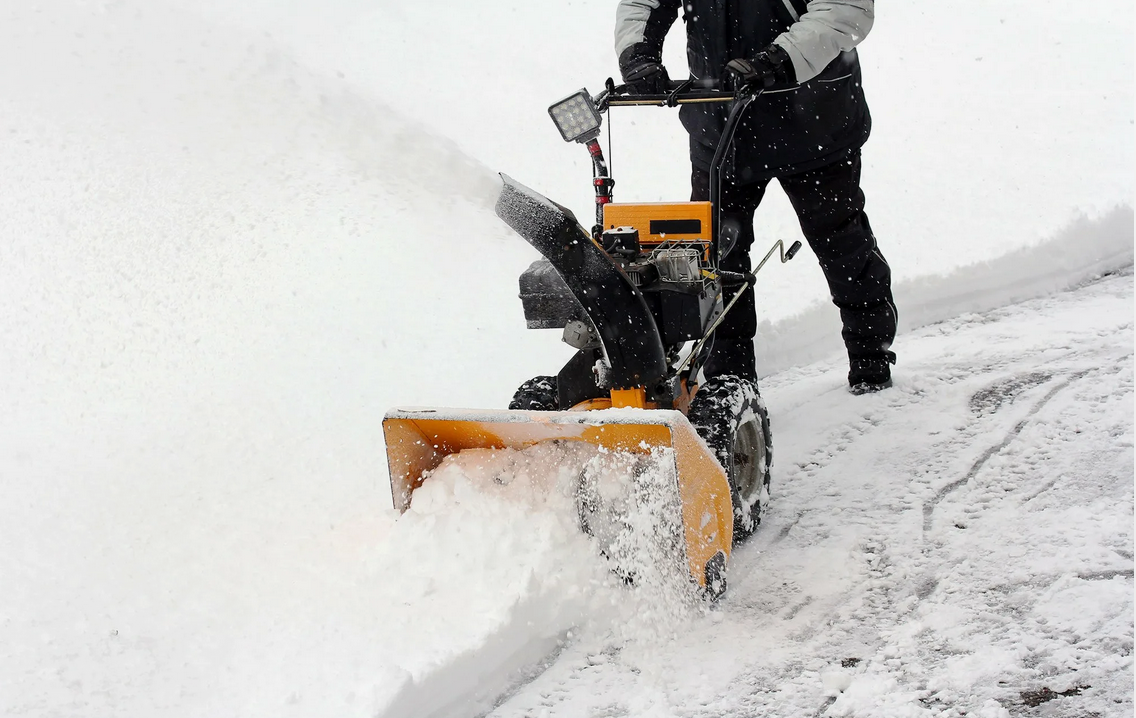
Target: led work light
{"points": [[576, 117]]}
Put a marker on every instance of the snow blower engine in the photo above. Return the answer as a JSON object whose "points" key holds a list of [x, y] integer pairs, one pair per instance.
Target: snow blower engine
{"points": [[639, 297]]}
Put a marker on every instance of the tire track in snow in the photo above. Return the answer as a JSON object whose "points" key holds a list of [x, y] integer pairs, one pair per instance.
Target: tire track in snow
{"points": [[883, 587], [1006, 603], [831, 447], [1022, 383], [880, 586], [1105, 575]]}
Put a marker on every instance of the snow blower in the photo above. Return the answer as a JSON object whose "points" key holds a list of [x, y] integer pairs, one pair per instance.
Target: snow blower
{"points": [[639, 298]]}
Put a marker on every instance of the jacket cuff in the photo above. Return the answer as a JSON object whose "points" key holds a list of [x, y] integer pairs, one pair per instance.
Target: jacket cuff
{"points": [[639, 53], [803, 71]]}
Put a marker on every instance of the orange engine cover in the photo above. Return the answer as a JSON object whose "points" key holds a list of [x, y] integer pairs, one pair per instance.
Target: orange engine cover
{"points": [[660, 222]]}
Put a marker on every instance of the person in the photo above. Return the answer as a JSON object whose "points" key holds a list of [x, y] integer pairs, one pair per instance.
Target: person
{"points": [[805, 130]]}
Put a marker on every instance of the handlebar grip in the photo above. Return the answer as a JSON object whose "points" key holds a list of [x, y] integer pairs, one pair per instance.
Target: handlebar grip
{"points": [[731, 279]]}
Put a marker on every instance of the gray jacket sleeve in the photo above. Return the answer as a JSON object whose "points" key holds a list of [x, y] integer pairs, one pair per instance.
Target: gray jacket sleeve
{"points": [[643, 21], [826, 29]]}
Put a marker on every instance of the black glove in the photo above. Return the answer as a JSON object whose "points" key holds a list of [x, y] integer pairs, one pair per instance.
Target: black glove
{"points": [[642, 69], [769, 69]]}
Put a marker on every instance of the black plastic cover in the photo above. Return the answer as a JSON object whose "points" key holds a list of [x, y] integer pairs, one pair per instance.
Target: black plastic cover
{"points": [[547, 300], [627, 330]]}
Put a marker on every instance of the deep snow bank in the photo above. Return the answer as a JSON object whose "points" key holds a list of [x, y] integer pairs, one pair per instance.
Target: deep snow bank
{"points": [[1084, 250], [207, 309]]}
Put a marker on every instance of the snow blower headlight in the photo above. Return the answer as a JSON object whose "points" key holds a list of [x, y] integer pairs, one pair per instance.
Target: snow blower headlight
{"points": [[576, 117]]}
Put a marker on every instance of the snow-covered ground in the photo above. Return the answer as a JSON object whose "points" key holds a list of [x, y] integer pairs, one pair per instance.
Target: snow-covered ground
{"points": [[235, 234], [952, 547]]}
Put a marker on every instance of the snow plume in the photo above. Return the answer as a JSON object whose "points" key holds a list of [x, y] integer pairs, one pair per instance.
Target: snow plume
{"points": [[492, 551], [394, 149], [173, 82]]}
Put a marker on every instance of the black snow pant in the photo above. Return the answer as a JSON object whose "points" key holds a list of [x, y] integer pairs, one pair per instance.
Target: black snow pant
{"points": [[830, 206]]}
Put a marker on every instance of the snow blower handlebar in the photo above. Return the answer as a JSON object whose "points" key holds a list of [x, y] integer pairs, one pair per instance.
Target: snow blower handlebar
{"points": [[578, 119], [685, 92]]}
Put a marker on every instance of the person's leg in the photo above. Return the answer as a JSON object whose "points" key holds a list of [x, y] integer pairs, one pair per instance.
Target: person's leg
{"points": [[732, 351], [830, 206]]}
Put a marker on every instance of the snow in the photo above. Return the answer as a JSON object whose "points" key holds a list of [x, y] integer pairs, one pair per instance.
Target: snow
{"points": [[475, 553], [467, 535], [597, 417], [235, 234], [1075, 253], [945, 596]]}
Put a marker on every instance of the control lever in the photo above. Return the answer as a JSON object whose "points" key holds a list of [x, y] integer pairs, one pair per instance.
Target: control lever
{"points": [[746, 280], [731, 279]]}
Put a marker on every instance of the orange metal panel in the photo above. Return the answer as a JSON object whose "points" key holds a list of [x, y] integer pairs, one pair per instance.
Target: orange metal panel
{"points": [[603, 402], [629, 398], [417, 441], [639, 216], [707, 509]]}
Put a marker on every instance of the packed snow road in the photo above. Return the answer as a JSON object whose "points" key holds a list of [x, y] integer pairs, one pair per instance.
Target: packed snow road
{"points": [[958, 545]]}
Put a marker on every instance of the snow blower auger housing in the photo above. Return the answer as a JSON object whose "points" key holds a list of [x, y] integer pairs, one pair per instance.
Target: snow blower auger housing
{"points": [[639, 298]]}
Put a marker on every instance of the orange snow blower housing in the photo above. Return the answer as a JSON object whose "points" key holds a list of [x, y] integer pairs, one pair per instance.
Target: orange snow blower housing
{"points": [[417, 441], [639, 298]]}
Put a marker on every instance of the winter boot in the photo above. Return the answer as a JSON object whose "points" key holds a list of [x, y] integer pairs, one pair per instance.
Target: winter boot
{"points": [[870, 373]]}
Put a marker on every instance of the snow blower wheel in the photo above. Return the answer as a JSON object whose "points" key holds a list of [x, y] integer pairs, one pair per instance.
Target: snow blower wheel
{"points": [[731, 418], [536, 394]]}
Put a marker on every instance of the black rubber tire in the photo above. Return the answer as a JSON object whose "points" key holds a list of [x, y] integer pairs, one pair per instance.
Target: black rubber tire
{"points": [[729, 415], [536, 394]]}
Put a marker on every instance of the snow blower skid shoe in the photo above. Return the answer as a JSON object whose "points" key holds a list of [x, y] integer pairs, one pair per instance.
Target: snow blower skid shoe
{"points": [[639, 298]]}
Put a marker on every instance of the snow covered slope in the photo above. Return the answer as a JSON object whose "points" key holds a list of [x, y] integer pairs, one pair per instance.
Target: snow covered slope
{"points": [[234, 234]]}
